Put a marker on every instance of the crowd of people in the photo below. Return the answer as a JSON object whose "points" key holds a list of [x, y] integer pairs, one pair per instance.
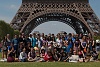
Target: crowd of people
{"points": [[62, 47]]}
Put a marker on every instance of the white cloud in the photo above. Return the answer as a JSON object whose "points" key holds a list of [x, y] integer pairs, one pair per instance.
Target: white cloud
{"points": [[11, 10]]}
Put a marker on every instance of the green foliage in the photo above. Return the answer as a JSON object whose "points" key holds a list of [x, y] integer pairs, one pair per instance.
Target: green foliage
{"points": [[5, 29], [16, 32], [96, 37]]}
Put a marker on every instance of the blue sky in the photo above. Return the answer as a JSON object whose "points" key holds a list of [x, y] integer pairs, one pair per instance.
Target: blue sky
{"points": [[8, 9]]}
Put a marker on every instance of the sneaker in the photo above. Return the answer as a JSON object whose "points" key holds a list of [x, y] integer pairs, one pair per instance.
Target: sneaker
{"points": [[2, 60], [5, 59]]}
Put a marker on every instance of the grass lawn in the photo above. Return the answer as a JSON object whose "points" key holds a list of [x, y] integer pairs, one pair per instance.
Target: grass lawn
{"points": [[49, 64]]}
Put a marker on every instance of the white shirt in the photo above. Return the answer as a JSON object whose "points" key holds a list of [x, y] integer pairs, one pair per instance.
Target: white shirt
{"points": [[22, 55]]}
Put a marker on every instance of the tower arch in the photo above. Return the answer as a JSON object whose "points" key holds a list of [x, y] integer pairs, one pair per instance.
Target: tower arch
{"points": [[77, 10], [73, 22]]}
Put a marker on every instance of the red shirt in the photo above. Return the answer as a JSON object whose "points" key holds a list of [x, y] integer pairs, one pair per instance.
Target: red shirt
{"points": [[47, 58]]}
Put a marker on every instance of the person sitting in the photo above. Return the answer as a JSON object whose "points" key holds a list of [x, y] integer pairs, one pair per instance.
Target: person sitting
{"points": [[55, 54], [81, 55], [60, 54], [74, 57], [48, 56], [11, 55], [37, 56], [64, 57], [42, 55], [94, 55], [31, 55], [23, 56]]}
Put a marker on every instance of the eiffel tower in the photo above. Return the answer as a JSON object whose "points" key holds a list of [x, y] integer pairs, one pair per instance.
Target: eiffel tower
{"points": [[78, 14]]}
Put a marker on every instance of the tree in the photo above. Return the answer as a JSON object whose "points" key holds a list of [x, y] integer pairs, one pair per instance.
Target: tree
{"points": [[5, 29], [16, 32]]}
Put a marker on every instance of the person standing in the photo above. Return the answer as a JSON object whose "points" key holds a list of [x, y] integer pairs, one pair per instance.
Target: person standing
{"points": [[15, 42], [8, 40], [84, 45], [4, 49], [34, 40]]}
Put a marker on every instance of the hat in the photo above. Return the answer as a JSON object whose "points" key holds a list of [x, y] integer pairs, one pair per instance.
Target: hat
{"points": [[36, 48]]}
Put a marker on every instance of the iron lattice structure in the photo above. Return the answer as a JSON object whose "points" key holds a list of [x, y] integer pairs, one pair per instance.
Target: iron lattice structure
{"points": [[76, 13]]}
